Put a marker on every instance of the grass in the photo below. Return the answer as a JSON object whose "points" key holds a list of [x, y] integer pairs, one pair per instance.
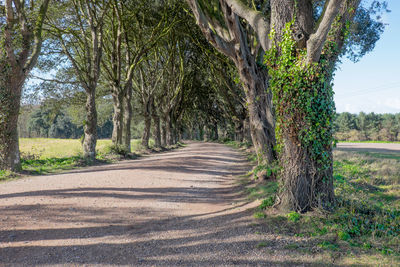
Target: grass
{"points": [[47, 155], [44, 148], [364, 228]]}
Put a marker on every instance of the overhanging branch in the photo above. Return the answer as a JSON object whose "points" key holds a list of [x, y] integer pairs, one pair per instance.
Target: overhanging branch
{"points": [[317, 39]]}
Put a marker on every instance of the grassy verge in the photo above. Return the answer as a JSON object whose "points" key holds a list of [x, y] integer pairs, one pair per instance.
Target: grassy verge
{"points": [[45, 155], [364, 228]]}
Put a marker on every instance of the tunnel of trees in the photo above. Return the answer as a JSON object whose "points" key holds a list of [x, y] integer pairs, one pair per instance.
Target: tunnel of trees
{"points": [[258, 71]]}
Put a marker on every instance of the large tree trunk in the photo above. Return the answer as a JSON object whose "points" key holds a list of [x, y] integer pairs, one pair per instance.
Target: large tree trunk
{"points": [[117, 116], [10, 96], [90, 129], [306, 183], [16, 61], [305, 141], [261, 117], [127, 118], [304, 106]]}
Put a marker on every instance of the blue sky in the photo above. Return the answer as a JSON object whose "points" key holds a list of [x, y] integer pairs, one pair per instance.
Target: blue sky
{"points": [[373, 83]]}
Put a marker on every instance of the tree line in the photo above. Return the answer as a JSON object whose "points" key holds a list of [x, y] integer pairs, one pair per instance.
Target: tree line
{"points": [[367, 127], [260, 70], [42, 121]]}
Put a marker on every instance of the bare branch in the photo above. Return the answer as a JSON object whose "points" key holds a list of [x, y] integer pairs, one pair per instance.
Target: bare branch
{"points": [[54, 80]]}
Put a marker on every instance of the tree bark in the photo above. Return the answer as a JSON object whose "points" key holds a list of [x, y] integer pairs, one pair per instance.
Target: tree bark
{"points": [[261, 117], [157, 130], [215, 131], [10, 98], [117, 116], [163, 133], [147, 104], [127, 118], [305, 128], [168, 130], [90, 129], [306, 186], [16, 61], [254, 78], [146, 130]]}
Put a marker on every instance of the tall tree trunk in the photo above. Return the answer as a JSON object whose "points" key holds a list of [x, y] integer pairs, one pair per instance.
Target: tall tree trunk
{"points": [[10, 96], [247, 130], [168, 130], [215, 131], [177, 132], [306, 183], [163, 133], [146, 130], [239, 133], [303, 103], [205, 135], [90, 129], [147, 105], [118, 97], [261, 117], [157, 130], [16, 61], [305, 141], [127, 118]]}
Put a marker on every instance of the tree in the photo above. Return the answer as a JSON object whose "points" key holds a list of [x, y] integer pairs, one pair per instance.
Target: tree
{"points": [[149, 75], [81, 37], [220, 23], [302, 40], [21, 40], [133, 30]]}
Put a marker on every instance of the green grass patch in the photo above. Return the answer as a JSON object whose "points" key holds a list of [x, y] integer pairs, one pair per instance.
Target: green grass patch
{"points": [[48, 155], [51, 165], [293, 216], [45, 148], [328, 245], [262, 190], [259, 215], [6, 175]]}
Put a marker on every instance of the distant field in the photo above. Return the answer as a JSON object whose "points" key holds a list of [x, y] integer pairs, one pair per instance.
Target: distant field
{"points": [[43, 148]]}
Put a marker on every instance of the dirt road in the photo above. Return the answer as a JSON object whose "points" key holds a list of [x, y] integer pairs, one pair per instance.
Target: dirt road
{"points": [[181, 208], [370, 147]]}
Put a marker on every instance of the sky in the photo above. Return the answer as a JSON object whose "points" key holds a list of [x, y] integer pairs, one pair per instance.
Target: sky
{"points": [[373, 83]]}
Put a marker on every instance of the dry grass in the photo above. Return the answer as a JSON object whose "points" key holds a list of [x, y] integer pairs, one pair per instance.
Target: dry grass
{"points": [[44, 148]]}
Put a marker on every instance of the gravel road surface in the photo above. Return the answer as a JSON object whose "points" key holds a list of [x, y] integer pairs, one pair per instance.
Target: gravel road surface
{"points": [[181, 208]]}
